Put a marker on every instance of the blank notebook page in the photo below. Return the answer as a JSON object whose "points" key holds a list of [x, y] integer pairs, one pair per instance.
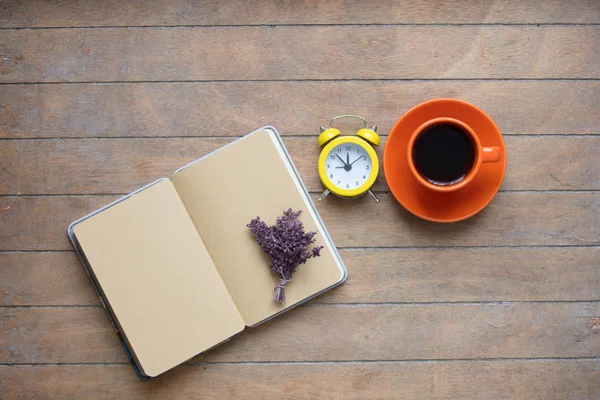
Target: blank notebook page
{"points": [[223, 192], [158, 278]]}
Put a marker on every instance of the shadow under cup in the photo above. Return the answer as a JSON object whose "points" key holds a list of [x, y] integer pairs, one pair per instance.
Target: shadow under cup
{"points": [[444, 154]]}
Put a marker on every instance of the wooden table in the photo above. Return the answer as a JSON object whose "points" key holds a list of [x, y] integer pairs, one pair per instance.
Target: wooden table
{"points": [[99, 98]]}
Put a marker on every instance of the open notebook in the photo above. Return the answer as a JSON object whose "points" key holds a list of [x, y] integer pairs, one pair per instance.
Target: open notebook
{"points": [[175, 265]]}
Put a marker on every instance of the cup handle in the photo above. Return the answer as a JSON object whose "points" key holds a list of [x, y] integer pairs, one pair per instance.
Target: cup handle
{"points": [[491, 154]]}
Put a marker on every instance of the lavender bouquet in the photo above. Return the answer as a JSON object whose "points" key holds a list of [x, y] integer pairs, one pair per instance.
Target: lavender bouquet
{"points": [[287, 244]]}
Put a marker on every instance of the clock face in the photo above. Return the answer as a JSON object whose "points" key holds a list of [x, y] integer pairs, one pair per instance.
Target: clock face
{"points": [[348, 166]]}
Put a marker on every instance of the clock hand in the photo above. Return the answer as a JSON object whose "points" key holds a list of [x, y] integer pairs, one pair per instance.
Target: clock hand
{"points": [[342, 160], [348, 159], [347, 166], [356, 160]]}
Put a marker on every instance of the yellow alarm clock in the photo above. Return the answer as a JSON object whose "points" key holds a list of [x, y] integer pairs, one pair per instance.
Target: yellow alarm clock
{"points": [[348, 165]]}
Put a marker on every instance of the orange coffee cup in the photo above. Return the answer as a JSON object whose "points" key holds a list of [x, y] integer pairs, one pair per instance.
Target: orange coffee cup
{"points": [[445, 154]]}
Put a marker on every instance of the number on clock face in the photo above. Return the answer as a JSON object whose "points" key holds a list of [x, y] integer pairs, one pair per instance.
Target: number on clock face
{"points": [[348, 166]]}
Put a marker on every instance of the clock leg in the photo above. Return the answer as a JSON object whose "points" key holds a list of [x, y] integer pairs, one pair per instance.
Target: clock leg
{"points": [[373, 196], [325, 193]]}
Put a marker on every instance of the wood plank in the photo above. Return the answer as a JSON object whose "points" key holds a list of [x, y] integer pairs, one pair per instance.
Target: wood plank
{"points": [[281, 53], [119, 166], [45, 13], [44, 279], [573, 379], [376, 276], [329, 332], [235, 108], [512, 219], [468, 274]]}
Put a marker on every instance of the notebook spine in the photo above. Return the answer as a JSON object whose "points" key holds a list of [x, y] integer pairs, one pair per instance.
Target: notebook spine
{"points": [[107, 310], [115, 327]]}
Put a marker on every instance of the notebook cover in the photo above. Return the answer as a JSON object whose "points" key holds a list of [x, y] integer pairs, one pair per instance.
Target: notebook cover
{"points": [[283, 175]]}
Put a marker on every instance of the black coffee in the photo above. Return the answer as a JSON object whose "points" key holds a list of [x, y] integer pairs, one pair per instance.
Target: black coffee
{"points": [[443, 154]]}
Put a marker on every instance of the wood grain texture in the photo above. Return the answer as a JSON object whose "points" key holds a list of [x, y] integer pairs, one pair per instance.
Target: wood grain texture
{"points": [[376, 276], [120, 166], [512, 219], [280, 53], [45, 13], [295, 108], [44, 279], [423, 313], [534, 380], [362, 333]]}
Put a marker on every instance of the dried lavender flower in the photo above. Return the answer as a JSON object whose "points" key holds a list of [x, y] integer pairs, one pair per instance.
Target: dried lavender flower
{"points": [[287, 244]]}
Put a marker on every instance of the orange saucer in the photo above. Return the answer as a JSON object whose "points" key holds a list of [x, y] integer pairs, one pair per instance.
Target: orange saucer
{"points": [[425, 203]]}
